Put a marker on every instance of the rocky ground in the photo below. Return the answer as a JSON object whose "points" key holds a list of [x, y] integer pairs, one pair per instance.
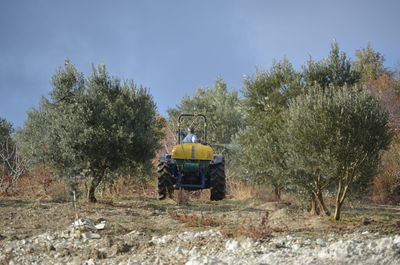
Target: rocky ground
{"points": [[145, 231]]}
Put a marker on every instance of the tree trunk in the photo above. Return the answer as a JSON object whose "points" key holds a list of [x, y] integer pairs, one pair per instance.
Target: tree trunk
{"points": [[338, 204], [277, 192], [343, 188], [321, 202], [337, 211], [314, 205], [95, 181]]}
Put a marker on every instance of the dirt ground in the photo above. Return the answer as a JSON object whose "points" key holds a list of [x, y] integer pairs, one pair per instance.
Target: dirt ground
{"points": [[23, 217]]}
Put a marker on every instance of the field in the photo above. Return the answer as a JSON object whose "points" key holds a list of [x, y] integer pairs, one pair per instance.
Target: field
{"points": [[26, 220]]}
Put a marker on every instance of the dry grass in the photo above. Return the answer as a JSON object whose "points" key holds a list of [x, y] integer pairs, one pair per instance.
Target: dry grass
{"points": [[193, 220], [382, 189], [200, 195], [40, 184], [260, 230], [126, 187], [243, 191], [182, 197], [384, 184]]}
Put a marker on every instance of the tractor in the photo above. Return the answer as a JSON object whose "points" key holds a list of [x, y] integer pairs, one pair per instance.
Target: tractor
{"points": [[192, 166]]}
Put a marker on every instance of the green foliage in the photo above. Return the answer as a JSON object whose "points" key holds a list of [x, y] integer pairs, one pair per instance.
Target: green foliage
{"points": [[335, 70], [93, 127], [72, 190], [221, 107], [335, 135], [5, 129], [6, 143], [267, 94], [369, 63]]}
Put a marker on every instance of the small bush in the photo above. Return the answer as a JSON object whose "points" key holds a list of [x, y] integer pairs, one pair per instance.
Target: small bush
{"points": [[57, 191], [260, 231], [395, 191]]}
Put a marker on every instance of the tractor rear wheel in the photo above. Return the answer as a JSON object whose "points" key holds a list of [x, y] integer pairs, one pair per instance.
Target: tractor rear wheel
{"points": [[217, 181], [166, 181]]}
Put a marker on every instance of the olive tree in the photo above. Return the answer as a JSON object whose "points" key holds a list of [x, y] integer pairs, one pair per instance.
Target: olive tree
{"points": [[266, 95], [336, 70], [334, 137], [93, 127], [369, 63], [6, 129]]}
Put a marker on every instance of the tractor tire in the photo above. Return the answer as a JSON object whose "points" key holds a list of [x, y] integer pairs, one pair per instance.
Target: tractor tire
{"points": [[217, 182], [166, 181]]}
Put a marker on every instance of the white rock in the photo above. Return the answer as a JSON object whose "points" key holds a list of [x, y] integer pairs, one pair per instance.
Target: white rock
{"points": [[178, 251], [187, 236], [232, 245], [384, 243], [200, 260], [82, 222], [193, 251], [95, 236], [296, 246], [101, 225], [248, 244], [162, 240], [320, 242], [90, 262]]}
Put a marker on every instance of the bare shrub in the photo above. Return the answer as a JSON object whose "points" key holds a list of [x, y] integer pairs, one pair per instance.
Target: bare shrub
{"points": [[57, 191], [13, 165], [395, 191], [384, 187], [259, 231], [37, 183], [384, 184]]}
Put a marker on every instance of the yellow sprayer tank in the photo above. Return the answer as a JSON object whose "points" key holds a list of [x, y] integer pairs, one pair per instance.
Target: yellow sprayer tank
{"points": [[192, 151]]}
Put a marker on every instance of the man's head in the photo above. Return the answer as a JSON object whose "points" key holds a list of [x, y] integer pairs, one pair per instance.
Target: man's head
{"points": [[191, 129]]}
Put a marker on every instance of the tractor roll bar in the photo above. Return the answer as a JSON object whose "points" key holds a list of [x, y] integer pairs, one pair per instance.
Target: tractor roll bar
{"points": [[192, 115]]}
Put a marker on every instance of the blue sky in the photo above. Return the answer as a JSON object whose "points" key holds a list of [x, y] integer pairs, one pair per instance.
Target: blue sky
{"points": [[172, 47]]}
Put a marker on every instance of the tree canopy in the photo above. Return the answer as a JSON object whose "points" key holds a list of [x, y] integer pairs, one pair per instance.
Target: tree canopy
{"points": [[335, 70], [6, 129], [369, 63], [92, 127], [220, 105], [267, 94], [335, 137]]}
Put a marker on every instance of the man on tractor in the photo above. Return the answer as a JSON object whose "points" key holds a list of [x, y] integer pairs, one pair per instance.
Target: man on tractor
{"points": [[190, 137]]}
